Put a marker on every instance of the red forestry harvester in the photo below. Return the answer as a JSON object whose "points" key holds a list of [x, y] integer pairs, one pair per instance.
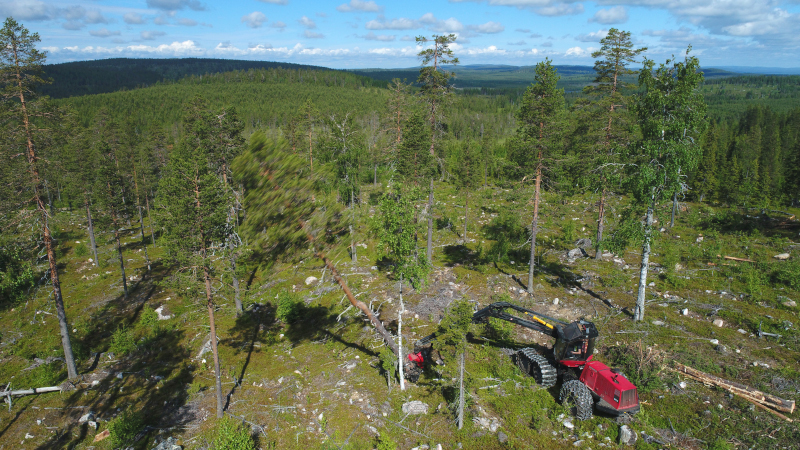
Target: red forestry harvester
{"points": [[585, 383]]}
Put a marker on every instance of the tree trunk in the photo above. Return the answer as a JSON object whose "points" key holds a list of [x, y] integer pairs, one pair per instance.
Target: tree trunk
{"points": [[430, 224], [461, 391], [237, 299], [152, 233], [674, 208], [36, 180], [144, 245], [387, 337], [49, 199], [638, 314], [91, 230], [466, 208], [210, 305], [141, 221], [119, 252], [400, 338], [601, 212], [353, 255], [375, 176], [535, 222]]}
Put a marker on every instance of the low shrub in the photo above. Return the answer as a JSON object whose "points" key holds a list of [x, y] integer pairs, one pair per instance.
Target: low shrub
{"points": [[289, 307], [232, 435], [124, 427]]}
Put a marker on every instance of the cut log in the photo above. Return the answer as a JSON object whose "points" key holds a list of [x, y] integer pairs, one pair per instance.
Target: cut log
{"points": [[34, 391], [733, 258], [739, 389]]}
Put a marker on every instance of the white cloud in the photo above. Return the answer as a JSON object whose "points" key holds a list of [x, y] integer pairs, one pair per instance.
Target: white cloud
{"points": [[518, 43], [275, 2], [103, 32], [254, 20], [27, 10], [133, 18], [278, 24], [560, 9], [359, 5], [578, 52], [187, 22], [617, 14], [176, 48], [488, 28], [175, 5], [394, 24], [594, 36], [151, 35], [306, 22], [379, 37], [95, 17], [312, 35], [407, 38]]}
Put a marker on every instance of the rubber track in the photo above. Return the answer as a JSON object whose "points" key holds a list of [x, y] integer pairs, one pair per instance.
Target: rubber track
{"points": [[537, 366], [574, 393]]}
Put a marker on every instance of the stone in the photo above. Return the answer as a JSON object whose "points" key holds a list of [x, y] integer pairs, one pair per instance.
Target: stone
{"points": [[685, 311], [718, 322], [678, 267], [658, 323], [92, 424], [86, 417], [29, 436], [501, 437], [583, 243], [714, 341], [782, 256], [169, 443], [555, 301], [741, 331], [790, 304], [721, 349], [311, 280], [568, 424], [163, 314], [415, 407], [627, 436], [102, 435], [577, 253], [699, 239], [578, 443]]}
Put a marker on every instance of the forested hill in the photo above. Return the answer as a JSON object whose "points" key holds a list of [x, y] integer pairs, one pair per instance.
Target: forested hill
{"points": [[110, 75], [262, 97]]}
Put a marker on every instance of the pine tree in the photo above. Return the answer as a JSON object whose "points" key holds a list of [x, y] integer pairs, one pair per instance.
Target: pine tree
{"points": [[616, 54], [671, 115], [540, 129], [436, 92], [414, 162], [193, 211], [20, 75]]}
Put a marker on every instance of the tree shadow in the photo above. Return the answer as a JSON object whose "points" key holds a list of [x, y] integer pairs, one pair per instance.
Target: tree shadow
{"points": [[738, 222], [459, 254]]}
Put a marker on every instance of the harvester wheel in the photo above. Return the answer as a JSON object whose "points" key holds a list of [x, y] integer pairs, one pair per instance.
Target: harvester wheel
{"points": [[576, 396], [537, 366]]}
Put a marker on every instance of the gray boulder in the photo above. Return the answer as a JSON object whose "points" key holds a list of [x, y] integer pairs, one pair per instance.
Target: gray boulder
{"points": [[627, 436], [576, 253]]}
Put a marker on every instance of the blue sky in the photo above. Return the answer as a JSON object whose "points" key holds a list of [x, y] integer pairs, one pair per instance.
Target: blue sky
{"points": [[367, 33]]}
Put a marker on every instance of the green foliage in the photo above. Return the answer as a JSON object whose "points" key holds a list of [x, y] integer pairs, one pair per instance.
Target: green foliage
{"points": [[385, 442], [720, 444], [396, 227], [232, 435], [289, 307], [81, 249], [508, 234], [569, 230], [123, 342], [45, 375], [788, 273], [414, 161], [499, 330], [16, 275], [148, 322], [455, 325], [388, 361], [641, 365], [125, 427]]}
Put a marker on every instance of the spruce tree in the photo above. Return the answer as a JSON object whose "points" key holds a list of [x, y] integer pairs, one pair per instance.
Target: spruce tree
{"points": [[20, 75]]}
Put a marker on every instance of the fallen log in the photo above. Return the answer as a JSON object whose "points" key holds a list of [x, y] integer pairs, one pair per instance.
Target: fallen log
{"points": [[34, 391], [741, 390], [733, 258]]}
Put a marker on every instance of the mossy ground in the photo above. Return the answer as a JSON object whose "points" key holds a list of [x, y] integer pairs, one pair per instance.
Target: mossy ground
{"points": [[317, 382]]}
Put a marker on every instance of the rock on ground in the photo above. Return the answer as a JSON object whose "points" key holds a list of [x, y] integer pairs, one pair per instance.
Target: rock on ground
{"points": [[627, 436], [311, 280], [415, 407], [782, 256]]}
